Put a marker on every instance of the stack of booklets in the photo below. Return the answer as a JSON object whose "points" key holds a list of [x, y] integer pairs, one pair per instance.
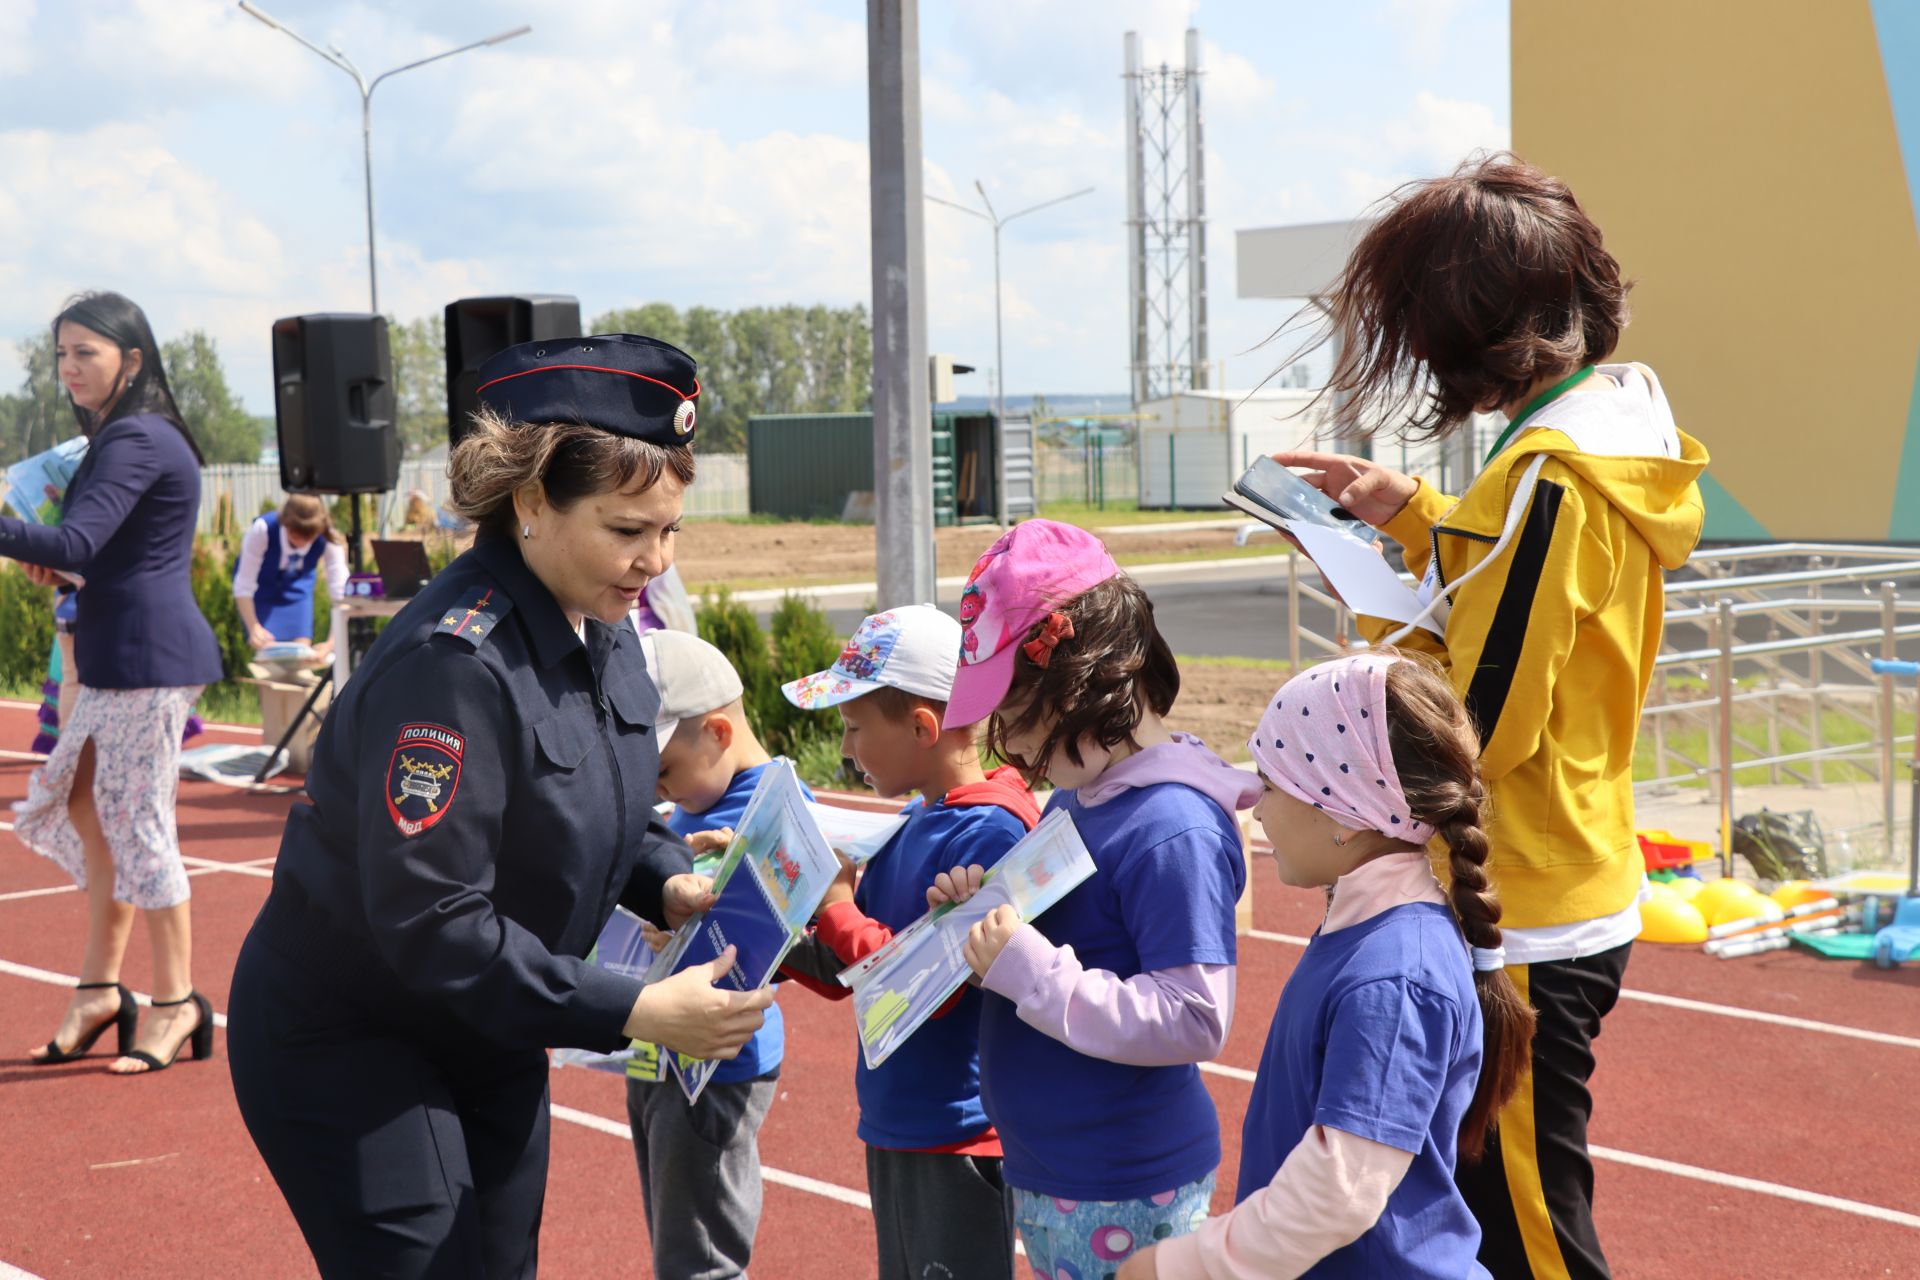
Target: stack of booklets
{"points": [[898, 987], [37, 488], [767, 887]]}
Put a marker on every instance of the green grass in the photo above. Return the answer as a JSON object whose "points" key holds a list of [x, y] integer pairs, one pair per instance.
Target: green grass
{"points": [[221, 703], [1691, 740]]}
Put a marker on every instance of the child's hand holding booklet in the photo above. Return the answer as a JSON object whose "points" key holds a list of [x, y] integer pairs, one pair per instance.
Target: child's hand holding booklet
{"points": [[898, 987]]}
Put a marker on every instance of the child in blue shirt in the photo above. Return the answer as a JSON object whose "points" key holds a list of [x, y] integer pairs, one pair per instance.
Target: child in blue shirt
{"points": [[1397, 1038], [1100, 1010], [700, 1164], [933, 1159]]}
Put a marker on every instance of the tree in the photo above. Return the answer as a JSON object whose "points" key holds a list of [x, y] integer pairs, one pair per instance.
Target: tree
{"points": [[38, 416], [420, 382], [225, 431]]}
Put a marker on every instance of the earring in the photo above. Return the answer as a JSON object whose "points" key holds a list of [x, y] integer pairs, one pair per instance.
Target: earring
{"points": [[526, 531], [1340, 841]]}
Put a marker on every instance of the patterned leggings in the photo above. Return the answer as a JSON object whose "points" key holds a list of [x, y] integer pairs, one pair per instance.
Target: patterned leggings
{"points": [[1089, 1239]]}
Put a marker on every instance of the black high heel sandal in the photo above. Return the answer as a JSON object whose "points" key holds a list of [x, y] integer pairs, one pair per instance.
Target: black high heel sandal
{"points": [[126, 1017], [201, 1036]]}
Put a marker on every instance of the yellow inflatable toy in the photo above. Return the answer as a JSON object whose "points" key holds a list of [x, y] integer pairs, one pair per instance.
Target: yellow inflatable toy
{"points": [[1686, 888], [1668, 918], [1715, 892], [1756, 907], [1797, 893]]}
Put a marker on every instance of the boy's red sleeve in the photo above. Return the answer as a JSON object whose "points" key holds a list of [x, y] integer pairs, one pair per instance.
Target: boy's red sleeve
{"points": [[850, 933]]}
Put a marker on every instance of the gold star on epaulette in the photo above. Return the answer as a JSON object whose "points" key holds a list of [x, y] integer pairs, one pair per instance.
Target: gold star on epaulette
{"points": [[478, 630], [450, 621]]}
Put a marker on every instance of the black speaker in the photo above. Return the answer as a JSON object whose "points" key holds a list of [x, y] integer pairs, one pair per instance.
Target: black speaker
{"points": [[334, 404], [480, 327]]}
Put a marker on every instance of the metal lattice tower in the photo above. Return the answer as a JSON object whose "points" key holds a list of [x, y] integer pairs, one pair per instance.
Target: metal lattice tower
{"points": [[1166, 224]]}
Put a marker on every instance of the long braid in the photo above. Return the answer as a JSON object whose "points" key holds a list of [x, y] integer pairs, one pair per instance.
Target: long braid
{"points": [[1436, 753]]}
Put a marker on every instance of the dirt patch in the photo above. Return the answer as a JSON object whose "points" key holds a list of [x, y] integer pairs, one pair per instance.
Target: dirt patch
{"points": [[1221, 704], [765, 555]]}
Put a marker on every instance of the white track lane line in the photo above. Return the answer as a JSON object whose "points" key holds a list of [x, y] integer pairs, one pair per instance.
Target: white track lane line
{"points": [[1704, 1006], [238, 868], [53, 979], [18, 894], [846, 1195]]}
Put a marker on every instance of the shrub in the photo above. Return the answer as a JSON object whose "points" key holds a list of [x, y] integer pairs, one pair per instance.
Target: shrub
{"points": [[26, 630], [803, 642]]}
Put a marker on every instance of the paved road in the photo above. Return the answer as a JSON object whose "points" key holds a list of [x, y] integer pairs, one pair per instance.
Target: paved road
{"points": [[1238, 611]]}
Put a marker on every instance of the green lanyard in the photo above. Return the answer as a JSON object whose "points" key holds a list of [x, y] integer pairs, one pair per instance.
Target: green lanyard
{"points": [[1534, 405]]}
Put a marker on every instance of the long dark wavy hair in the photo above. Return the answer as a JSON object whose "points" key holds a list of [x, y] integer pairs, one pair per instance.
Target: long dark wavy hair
{"points": [[119, 320]]}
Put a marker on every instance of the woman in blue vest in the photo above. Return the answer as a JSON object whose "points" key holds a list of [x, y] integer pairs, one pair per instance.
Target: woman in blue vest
{"points": [[102, 807], [280, 559]]}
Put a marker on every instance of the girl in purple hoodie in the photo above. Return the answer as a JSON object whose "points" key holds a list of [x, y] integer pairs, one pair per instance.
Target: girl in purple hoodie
{"points": [[1099, 1011]]}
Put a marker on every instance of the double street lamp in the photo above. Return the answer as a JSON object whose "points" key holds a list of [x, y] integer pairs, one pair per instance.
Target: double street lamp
{"points": [[999, 346], [333, 54]]}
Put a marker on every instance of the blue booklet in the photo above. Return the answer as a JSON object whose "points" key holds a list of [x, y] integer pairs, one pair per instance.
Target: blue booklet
{"points": [[37, 488], [769, 884]]}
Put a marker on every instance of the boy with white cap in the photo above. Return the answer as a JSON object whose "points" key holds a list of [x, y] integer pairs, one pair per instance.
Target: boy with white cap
{"points": [[700, 1164], [933, 1159]]}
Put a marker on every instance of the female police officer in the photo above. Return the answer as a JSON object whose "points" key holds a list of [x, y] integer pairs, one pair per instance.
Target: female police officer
{"points": [[481, 796]]}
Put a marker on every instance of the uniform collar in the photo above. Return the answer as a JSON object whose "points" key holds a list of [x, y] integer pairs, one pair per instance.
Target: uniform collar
{"points": [[553, 636]]}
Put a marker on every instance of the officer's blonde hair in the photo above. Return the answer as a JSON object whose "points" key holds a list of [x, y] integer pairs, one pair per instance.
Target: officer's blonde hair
{"points": [[569, 460]]}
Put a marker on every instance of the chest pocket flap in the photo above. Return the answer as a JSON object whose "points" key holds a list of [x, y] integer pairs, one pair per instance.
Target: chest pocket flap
{"points": [[636, 702], [566, 737]]}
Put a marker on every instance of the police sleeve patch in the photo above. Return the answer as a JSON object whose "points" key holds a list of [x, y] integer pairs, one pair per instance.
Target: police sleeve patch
{"points": [[423, 776]]}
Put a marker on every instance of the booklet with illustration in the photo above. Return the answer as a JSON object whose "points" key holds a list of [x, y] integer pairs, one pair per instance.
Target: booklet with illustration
{"points": [[767, 887], [37, 487], [856, 834], [1341, 546], [899, 987]]}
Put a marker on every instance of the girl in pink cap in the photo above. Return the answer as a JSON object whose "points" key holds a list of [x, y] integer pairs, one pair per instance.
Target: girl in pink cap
{"points": [[1099, 1011], [1399, 1035]]}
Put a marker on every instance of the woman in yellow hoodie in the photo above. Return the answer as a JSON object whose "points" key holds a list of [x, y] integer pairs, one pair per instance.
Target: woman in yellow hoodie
{"points": [[1490, 290]]}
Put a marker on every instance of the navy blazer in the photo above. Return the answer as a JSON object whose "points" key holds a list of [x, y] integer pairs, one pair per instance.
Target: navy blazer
{"points": [[127, 528]]}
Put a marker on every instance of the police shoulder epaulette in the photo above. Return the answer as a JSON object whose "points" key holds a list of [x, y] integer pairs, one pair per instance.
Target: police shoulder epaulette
{"points": [[475, 620]]}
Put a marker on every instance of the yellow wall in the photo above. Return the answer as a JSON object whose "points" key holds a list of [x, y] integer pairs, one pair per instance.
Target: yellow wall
{"points": [[1743, 162]]}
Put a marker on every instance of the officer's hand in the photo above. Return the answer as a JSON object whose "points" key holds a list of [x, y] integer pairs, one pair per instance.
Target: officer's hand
{"points": [[685, 896], [656, 939], [689, 1014], [955, 886], [704, 842]]}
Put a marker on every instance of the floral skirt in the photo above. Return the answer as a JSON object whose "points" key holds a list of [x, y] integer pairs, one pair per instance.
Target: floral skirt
{"points": [[136, 775], [1089, 1239]]}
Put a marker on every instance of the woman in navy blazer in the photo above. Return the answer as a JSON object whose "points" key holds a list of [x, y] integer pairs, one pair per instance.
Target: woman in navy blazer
{"points": [[102, 807]]}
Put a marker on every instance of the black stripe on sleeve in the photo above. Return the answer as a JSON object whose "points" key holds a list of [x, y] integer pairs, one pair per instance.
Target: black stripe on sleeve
{"points": [[1500, 655]]}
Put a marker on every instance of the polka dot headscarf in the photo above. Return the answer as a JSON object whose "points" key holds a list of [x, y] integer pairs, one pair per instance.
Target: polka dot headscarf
{"points": [[1323, 741]]}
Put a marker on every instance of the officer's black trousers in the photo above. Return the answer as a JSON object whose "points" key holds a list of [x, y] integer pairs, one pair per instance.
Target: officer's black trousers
{"points": [[400, 1155]]}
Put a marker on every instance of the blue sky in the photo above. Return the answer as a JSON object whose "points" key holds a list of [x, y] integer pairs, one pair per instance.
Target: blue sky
{"points": [[715, 153]]}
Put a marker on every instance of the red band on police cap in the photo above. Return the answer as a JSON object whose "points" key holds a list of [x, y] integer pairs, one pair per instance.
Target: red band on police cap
{"points": [[590, 368]]}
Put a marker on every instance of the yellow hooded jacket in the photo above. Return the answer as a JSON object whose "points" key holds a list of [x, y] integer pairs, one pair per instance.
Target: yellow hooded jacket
{"points": [[1552, 645]]}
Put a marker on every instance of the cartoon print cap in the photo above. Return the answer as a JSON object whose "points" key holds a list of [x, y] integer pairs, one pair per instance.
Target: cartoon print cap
{"points": [[912, 649], [1035, 567]]}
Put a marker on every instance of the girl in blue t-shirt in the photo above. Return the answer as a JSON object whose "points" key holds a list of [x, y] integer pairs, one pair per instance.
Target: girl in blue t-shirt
{"points": [[1397, 1038], [1098, 1012]]}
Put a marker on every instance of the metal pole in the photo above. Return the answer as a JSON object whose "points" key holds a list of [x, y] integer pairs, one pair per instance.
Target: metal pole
{"points": [[1889, 620], [1816, 672], [366, 149], [999, 342], [1137, 351], [1293, 608], [1196, 218], [1723, 732], [902, 433]]}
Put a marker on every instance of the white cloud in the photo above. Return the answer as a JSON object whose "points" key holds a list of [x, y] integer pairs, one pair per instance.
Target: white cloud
{"points": [[1438, 132]]}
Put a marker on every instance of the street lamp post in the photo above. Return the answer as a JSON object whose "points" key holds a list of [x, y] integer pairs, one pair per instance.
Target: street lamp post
{"points": [[333, 54], [999, 345]]}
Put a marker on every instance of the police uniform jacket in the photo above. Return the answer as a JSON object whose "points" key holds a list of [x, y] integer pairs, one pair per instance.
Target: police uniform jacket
{"points": [[482, 795]]}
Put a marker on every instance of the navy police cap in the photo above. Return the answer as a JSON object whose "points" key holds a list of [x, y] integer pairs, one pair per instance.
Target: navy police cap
{"points": [[618, 382]]}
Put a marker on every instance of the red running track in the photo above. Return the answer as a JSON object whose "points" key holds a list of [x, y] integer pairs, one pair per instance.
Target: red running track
{"points": [[1717, 1128]]}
